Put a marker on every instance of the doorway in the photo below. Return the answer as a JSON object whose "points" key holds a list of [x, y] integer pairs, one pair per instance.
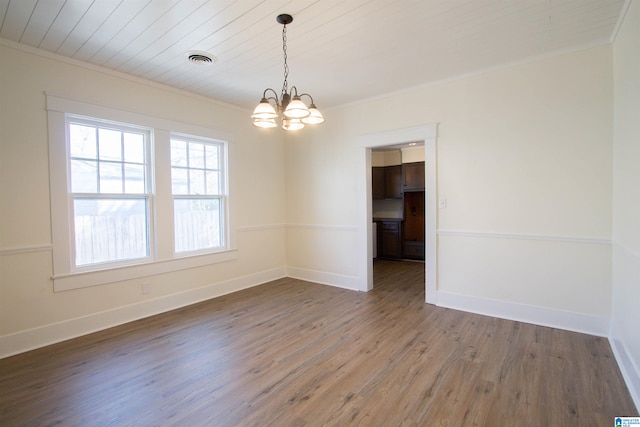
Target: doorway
{"points": [[398, 204], [398, 210], [427, 135]]}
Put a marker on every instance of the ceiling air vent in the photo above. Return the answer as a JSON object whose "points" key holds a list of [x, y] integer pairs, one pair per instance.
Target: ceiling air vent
{"points": [[198, 57]]}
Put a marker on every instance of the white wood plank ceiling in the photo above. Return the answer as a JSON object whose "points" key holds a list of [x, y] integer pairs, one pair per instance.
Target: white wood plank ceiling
{"points": [[339, 51]]}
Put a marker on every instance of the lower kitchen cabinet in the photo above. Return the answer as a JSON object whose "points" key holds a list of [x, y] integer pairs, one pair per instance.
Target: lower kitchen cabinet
{"points": [[413, 250], [389, 238]]}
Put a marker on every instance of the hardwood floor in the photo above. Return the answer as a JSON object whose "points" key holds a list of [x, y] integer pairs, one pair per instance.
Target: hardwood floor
{"points": [[292, 353]]}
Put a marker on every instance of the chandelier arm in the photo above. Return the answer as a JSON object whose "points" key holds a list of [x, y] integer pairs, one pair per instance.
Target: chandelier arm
{"points": [[274, 97], [306, 94]]}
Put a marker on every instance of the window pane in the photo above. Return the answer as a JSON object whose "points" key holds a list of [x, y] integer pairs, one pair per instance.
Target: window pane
{"points": [[110, 230], [133, 179], [196, 155], [110, 177], [178, 152], [179, 181], [211, 152], [82, 141], [196, 182], [110, 144], [134, 148], [84, 176], [213, 182], [197, 224]]}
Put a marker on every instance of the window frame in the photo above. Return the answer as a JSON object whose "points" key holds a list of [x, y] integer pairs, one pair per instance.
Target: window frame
{"points": [[65, 276], [222, 195], [147, 194]]}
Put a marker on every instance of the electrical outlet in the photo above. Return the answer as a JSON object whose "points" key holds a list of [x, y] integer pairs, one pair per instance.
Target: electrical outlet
{"points": [[442, 204], [146, 287]]}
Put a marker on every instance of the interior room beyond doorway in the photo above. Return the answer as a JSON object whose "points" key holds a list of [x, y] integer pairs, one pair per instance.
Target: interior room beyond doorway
{"points": [[398, 202]]}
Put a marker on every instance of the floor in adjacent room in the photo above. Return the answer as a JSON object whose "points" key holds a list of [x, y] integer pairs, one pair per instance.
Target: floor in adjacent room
{"points": [[293, 353]]}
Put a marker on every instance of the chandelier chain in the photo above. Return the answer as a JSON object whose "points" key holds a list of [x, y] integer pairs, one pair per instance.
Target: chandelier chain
{"points": [[285, 87]]}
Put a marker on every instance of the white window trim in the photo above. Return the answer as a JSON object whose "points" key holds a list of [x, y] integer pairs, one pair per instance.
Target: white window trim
{"points": [[223, 196], [64, 277], [148, 194]]}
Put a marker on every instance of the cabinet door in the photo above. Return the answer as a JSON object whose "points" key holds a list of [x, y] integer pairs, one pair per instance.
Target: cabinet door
{"points": [[393, 182], [413, 250], [377, 183], [413, 176], [413, 227], [390, 240]]}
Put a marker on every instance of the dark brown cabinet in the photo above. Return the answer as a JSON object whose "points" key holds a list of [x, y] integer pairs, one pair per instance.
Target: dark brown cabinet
{"points": [[390, 239], [413, 176], [392, 182], [413, 225], [377, 182], [402, 237], [386, 182]]}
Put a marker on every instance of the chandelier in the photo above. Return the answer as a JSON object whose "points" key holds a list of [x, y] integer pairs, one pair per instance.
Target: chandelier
{"points": [[293, 112]]}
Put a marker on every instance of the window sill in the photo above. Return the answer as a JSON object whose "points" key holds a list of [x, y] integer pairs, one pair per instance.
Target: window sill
{"points": [[66, 282]]}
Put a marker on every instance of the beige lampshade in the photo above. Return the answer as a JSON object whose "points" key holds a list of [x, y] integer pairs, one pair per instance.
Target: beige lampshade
{"points": [[264, 110], [315, 117], [296, 109], [265, 123], [291, 124]]}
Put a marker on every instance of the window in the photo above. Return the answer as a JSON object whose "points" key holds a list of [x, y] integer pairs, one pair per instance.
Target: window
{"points": [[197, 187], [134, 195], [109, 176]]}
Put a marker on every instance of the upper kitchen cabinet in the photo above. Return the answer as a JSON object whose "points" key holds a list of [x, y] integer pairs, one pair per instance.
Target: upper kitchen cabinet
{"points": [[377, 182], [386, 182], [413, 176], [392, 182]]}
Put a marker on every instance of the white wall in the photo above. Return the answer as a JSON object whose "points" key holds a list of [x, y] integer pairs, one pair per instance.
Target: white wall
{"points": [[413, 154], [31, 314], [625, 311], [524, 159], [386, 158]]}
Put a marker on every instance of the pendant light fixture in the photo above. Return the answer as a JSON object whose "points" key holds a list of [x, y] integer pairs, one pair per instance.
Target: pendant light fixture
{"points": [[293, 112]]}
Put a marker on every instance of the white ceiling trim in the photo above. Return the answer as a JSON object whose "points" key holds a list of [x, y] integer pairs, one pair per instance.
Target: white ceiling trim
{"points": [[623, 13]]}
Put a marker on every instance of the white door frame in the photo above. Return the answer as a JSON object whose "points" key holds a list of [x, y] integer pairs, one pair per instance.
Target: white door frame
{"points": [[426, 134]]}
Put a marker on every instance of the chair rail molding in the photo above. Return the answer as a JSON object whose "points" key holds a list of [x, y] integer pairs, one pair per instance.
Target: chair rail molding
{"points": [[46, 247]]}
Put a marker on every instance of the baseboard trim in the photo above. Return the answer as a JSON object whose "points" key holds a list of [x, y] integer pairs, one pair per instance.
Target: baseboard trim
{"points": [[629, 371], [542, 316], [324, 278], [30, 339]]}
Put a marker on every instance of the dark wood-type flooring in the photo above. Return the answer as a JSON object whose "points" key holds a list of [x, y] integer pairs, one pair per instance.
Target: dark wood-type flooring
{"points": [[292, 353]]}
